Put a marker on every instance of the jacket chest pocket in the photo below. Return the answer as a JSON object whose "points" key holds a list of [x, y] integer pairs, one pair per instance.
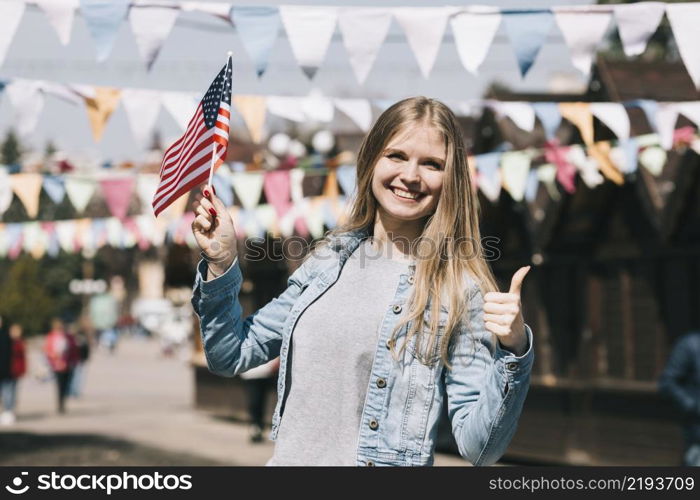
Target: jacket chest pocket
{"points": [[424, 349]]}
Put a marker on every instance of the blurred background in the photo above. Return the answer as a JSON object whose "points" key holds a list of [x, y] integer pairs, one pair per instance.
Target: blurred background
{"points": [[581, 121]]}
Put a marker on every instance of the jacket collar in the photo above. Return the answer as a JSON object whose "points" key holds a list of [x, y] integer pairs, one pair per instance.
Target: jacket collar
{"points": [[347, 242]]}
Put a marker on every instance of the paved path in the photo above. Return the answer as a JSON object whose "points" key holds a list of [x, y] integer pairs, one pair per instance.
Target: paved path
{"points": [[139, 396]]}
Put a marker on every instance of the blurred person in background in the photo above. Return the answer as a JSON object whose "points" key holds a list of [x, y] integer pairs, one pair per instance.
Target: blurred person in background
{"points": [[61, 351], [82, 340], [680, 381], [259, 381], [104, 315], [13, 366]]}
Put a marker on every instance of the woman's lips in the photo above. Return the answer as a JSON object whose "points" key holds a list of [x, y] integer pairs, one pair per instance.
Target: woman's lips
{"points": [[402, 198]]}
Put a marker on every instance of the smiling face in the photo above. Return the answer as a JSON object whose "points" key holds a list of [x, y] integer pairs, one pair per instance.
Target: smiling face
{"points": [[408, 176]]}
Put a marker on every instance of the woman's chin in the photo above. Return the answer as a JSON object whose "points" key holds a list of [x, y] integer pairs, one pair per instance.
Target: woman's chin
{"points": [[404, 213]]}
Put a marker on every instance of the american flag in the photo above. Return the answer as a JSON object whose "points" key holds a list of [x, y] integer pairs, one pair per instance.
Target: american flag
{"points": [[187, 162]]}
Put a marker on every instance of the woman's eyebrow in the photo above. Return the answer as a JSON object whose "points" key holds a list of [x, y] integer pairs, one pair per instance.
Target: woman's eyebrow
{"points": [[429, 158], [435, 158]]}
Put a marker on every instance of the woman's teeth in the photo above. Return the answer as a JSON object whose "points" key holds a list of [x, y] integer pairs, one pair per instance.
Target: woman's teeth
{"points": [[405, 194]]}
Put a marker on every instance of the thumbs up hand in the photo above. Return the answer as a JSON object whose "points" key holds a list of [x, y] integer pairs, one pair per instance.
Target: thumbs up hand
{"points": [[502, 315]]}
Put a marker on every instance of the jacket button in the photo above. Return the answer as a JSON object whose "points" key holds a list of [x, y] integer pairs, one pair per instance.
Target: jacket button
{"points": [[370, 463], [381, 383], [410, 280], [396, 308], [389, 343], [512, 366], [373, 424]]}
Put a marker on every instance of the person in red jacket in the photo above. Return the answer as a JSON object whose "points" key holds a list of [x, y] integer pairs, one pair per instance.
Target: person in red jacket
{"points": [[61, 352], [16, 366]]}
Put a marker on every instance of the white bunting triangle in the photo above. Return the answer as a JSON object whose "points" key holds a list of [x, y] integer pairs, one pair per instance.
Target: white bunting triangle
{"points": [[685, 19], [248, 187], [474, 34], [289, 108], [61, 91], [586, 166], [61, 14], [690, 110], [424, 28], [27, 101], [142, 108], [10, 17], [666, 118], [653, 159], [220, 10], [80, 191], [309, 30], [180, 105], [364, 31], [358, 110], [151, 26], [614, 116], [66, 232], [582, 31], [313, 214], [636, 22], [317, 107], [265, 218], [521, 113], [146, 186], [515, 166], [296, 180]]}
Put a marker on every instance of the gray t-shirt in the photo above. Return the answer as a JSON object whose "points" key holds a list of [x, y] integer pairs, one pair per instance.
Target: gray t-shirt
{"points": [[333, 347]]}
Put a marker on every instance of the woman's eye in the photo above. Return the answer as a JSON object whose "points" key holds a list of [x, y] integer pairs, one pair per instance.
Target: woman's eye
{"points": [[434, 164], [395, 156]]}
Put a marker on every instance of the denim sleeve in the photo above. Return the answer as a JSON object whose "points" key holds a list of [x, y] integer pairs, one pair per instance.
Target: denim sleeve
{"points": [[233, 344], [486, 388], [671, 381]]}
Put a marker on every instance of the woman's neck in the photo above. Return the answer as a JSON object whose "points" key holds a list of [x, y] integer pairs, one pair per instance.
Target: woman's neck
{"points": [[397, 235]]}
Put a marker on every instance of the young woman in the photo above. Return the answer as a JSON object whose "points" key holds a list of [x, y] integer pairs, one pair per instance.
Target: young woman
{"points": [[388, 316]]}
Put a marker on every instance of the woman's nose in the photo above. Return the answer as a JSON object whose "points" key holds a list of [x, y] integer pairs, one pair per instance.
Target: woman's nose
{"points": [[410, 173]]}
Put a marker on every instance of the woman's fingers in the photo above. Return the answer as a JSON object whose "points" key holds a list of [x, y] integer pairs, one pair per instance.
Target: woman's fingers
{"points": [[498, 319], [202, 223], [214, 200], [496, 308], [209, 207], [203, 212]]}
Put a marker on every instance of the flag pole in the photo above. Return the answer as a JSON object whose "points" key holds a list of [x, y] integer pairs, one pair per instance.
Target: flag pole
{"points": [[213, 150]]}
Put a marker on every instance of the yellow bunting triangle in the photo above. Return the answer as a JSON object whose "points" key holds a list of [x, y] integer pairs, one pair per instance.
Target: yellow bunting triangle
{"points": [[252, 108], [100, 108], [27, 187]]}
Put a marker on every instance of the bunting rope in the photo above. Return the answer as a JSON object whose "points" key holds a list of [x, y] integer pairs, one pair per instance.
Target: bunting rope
{"points": [[363, 30]]}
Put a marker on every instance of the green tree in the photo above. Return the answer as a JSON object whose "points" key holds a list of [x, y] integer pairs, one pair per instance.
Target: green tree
{"points": [[50, 149], [11, 149], [24, 297]]}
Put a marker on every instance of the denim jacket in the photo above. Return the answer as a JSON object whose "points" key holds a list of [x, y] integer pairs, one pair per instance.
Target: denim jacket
{"points": [[485, 389]]}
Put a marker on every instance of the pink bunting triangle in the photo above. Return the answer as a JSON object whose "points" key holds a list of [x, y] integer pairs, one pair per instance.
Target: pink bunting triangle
{"points": [[566, 172], [276, 186], [117, 193]]}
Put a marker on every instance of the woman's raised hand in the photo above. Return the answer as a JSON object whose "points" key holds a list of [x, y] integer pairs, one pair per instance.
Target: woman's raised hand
{"points": [[214, 231], [503, 316]]}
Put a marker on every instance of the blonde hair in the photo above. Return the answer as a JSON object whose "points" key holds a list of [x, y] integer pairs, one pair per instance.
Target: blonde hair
{"points": [[440, 279]]}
